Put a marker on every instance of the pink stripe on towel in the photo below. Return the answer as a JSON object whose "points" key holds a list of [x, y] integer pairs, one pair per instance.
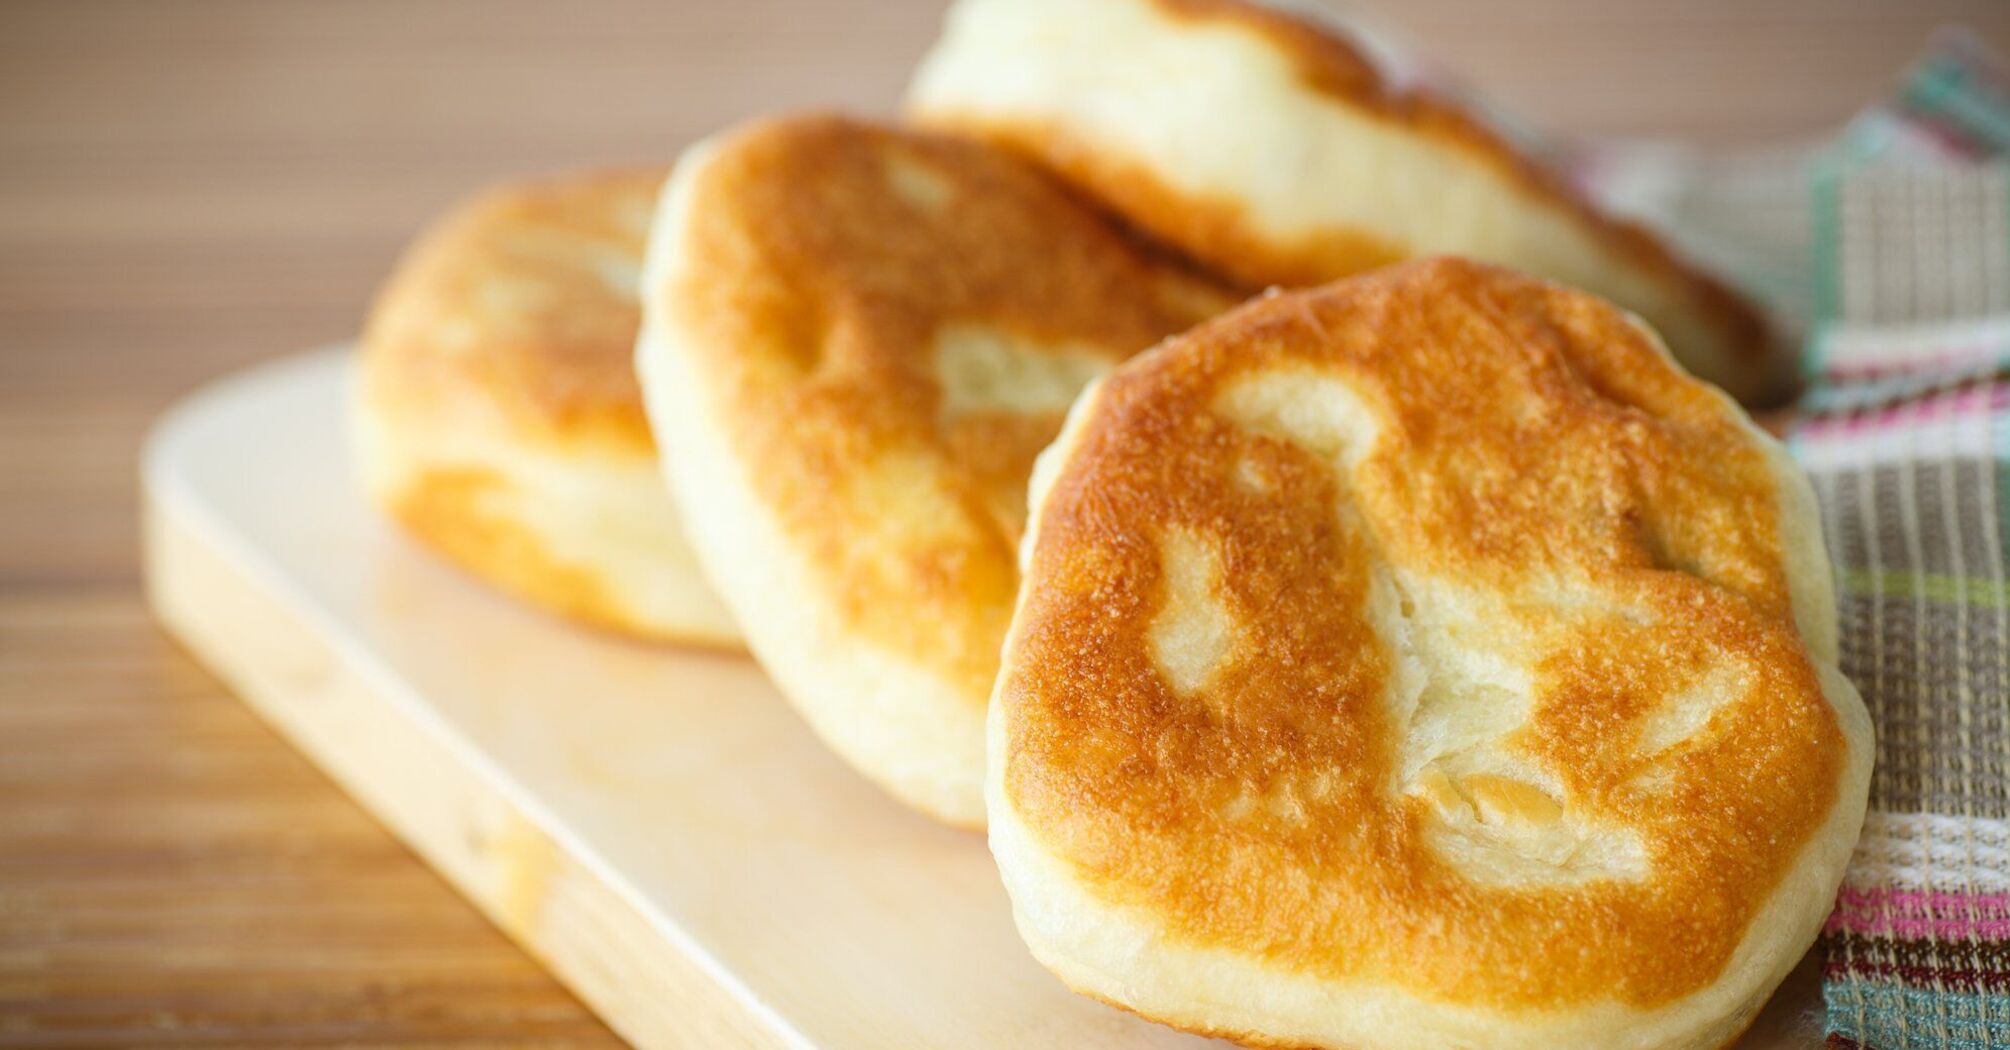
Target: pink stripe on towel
{"points": [[1885, 912]]}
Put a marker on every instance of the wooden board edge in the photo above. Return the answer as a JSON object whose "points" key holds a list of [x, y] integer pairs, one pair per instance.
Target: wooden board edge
{"points": [[429, 790]]}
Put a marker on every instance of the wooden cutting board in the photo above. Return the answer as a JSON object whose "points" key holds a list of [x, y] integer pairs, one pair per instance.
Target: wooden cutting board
{"points": [[654, 824]]}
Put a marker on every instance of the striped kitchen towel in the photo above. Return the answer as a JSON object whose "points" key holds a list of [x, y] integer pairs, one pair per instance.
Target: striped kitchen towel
{"points": [[1887, 250], [1906, 431]]}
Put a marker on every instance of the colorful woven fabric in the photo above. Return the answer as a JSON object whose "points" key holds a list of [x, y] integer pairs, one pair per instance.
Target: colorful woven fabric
{"points": [[1906, 432], [1888, 251]]}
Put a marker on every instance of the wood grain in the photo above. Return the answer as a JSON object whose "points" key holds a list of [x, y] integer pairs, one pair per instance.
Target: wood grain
{"points": [[186, 187]]}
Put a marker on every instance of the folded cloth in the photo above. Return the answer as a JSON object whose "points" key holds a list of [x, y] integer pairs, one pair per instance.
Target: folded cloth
{"points": [[1888, 250]]}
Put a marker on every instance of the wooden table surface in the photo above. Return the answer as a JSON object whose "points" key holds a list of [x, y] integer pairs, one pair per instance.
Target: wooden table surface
{"points": [[188, 187]]}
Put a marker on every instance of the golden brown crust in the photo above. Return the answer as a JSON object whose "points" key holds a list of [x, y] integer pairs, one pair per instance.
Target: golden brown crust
{"points": [[1216, 231], [1212, 229], [1615, 532], [837, 257], [522, 306], [1331, 64], [454, 511]]}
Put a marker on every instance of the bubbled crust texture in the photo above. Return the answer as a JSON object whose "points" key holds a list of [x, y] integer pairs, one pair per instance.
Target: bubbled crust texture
{"points": [[498, 415], [1516, 471], [826, 261], [1716, 331]]}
